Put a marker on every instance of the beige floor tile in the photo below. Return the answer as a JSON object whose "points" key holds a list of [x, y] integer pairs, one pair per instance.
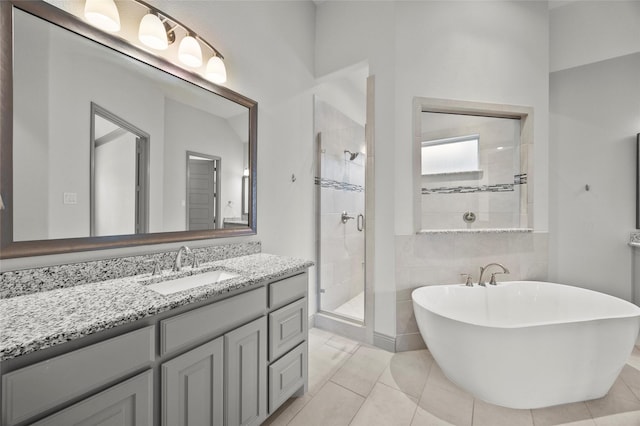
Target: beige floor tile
{"points": [[408, 372], [361, 372], [453, 406], [561, 414], [485, 414], [588, 422], [631, 418], [620, 399], [333, 405], [385, 406], [437, 378], [425, 418], [287, 411], [317, 336], [324, 361], [631, 378], [634, 359], [342, 343]]}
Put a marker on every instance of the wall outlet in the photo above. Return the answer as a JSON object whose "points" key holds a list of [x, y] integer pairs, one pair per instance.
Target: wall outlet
{"points": [[70, 198]]}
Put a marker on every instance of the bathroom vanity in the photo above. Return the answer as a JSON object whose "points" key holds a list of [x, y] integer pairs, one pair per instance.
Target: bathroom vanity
{"points": [[226, 353]]}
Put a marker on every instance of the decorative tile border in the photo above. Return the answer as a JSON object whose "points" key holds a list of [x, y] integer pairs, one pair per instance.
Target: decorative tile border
{"points": [[503, 187], [28, 281], [337, 185], [520, 179]]}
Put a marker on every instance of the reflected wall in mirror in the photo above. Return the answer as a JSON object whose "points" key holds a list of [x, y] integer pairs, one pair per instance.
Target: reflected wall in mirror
{"points": [[94, 142], [473, 165]]}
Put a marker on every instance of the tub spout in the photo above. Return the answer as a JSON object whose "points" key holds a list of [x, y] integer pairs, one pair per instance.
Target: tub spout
{"points": [[493, 276]]}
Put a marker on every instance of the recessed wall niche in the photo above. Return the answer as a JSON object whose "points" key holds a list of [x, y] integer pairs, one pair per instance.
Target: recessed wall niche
{"points": [[472, 166]]}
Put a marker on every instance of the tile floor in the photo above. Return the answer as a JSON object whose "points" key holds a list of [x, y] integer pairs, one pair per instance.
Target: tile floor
{"points": [[356, 384]]}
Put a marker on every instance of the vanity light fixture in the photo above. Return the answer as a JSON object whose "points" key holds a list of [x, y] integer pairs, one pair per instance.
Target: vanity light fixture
{"points": [[189, 52], [153, 33], [103, 14], [216, 70], [157, 30]]}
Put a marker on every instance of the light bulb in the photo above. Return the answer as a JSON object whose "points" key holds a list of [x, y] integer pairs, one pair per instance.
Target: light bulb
{"points": [[216, 70], [152, 32], [189, 52], [102, 14]]}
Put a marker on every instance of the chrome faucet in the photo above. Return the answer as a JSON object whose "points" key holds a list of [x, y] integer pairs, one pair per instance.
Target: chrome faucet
{"points": [[177, 264], [492, 281]]}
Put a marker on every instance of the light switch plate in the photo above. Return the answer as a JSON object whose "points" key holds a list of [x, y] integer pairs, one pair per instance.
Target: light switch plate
{"points": [[70, 198]]}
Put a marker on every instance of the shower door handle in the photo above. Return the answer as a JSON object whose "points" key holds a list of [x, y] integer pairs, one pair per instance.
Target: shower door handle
{"points": [[345, 217], [360, 222]]}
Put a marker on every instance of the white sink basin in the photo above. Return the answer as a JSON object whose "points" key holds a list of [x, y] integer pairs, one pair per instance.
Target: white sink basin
{"points": [[192, 281]]}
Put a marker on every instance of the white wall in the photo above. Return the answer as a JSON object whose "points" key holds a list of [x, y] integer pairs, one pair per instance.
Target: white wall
{"points": [[595, 115], [583, 32], [477, 51]]}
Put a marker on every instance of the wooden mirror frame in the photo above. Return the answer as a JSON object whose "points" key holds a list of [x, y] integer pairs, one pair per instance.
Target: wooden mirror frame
{"points": [[15, 249]]}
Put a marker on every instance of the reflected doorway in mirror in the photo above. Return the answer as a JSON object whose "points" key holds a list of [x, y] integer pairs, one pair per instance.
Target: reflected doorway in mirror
{"points": [[203, 189], [119, 175]]}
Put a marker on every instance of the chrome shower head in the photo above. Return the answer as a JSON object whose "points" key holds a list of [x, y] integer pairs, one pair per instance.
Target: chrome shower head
{"points": [[352, 155]]}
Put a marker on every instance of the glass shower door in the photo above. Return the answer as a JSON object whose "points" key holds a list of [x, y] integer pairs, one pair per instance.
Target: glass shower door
{"points": [[341, 221]]}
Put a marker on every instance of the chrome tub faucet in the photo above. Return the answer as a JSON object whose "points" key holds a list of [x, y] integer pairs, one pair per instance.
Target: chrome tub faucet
{"points": [[492, 280]]}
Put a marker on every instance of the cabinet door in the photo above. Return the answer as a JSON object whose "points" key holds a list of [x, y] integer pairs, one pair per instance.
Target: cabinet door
{"points": [[129, 403], [246, 379], [192, 387]]}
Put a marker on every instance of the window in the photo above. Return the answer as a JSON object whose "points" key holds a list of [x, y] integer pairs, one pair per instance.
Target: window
{"points": [[450, 155]]}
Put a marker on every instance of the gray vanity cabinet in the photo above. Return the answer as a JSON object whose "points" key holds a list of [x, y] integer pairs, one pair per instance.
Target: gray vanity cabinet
{"points": [[126, 404], [246, 368], [193, 386], [231, 362], [194, 383], [53, 382]]}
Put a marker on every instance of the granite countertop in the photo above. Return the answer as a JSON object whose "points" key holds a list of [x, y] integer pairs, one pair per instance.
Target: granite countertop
{"points": [[475, 231], [36, 321]]}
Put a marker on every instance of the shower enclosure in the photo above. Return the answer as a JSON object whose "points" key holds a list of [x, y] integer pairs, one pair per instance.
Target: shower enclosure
{"points": [[340, 182]]}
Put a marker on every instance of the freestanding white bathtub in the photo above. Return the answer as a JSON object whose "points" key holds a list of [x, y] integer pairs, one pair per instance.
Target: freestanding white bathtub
{"points": [[527, 344]]}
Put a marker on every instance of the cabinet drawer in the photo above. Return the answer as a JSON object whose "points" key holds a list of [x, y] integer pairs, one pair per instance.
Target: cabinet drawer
{"points": [[39, 387], [129, 403], [287, 328], [210, 321], [286, 376], [287, 290]]}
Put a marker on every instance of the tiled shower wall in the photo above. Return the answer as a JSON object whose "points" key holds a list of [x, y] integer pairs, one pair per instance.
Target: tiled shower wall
{"points": [[432, 259], [341, 186], [492, 194]]}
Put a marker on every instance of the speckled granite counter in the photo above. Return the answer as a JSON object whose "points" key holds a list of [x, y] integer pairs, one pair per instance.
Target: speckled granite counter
{"points": [[475, 231], [36, 321]]}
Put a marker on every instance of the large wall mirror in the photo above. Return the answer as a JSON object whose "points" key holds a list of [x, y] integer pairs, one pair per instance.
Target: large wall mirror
{"points": [[95, 132]]}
